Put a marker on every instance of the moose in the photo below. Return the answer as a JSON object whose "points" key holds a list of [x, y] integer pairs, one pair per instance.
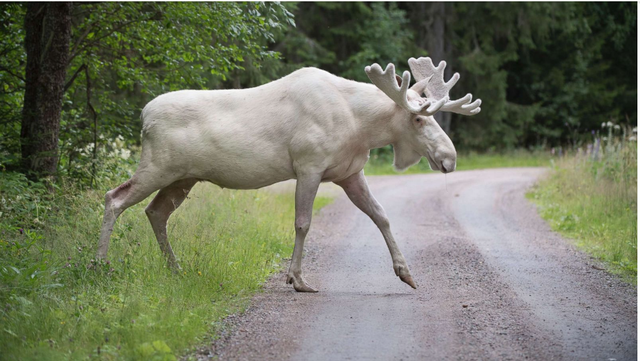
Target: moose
{"points": [[310, 125]]}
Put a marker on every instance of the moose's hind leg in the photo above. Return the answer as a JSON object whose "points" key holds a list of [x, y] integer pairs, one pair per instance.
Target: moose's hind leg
{"points": [[161, 208], [117, 201], [144, 182]]}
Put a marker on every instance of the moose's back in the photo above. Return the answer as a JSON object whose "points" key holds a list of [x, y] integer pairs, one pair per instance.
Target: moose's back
{"points": [[248, 138]]}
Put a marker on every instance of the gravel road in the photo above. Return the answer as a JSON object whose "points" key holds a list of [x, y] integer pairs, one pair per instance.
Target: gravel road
{"points": [[494, 282]]}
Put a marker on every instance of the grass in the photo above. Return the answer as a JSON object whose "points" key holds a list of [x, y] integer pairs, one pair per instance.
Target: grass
{"points": [[58, 303], [595, 203], [381, 164]]}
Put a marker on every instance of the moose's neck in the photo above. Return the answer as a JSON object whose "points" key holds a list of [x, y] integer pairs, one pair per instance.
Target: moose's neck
{"points": [[377, 115]]}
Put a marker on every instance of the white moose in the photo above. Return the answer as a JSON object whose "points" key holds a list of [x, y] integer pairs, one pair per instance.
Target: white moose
{"points": [[311, 126]]}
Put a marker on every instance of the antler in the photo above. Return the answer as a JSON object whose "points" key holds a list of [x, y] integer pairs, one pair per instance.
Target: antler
{"points": [[436, 89], [386, 81]]}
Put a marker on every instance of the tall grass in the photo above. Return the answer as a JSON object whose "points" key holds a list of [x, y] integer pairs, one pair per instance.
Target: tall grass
{"points": [[592, 197], [58, 303], [380, 163]]}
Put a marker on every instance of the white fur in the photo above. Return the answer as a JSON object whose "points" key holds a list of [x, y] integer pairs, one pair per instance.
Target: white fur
{"points": [[310, 125], [309, 121]]}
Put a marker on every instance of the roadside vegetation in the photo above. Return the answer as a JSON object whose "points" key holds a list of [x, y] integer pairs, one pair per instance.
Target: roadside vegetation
{"points": [[591, 197], [58, 303]]}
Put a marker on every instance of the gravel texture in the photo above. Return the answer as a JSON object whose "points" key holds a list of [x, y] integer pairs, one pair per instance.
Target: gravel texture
{"points": [[494, 282]]}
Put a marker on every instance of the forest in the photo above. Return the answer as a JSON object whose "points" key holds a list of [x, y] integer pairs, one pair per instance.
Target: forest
{"points": [[558, 83], [549, 74]]}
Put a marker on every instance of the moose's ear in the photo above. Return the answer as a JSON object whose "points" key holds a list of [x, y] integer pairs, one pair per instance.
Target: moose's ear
{"points": [[399, 80]]}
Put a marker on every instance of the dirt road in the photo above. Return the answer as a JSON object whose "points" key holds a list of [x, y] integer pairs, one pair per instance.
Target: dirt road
{"points": [[493, 283]]}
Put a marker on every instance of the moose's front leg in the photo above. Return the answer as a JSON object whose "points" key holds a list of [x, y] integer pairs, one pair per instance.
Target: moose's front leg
{"points": [[306, 189], [357, 190]]}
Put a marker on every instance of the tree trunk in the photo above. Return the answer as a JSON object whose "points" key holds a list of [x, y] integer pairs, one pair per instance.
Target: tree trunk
{"points": [[48, 31], [435, 45]]}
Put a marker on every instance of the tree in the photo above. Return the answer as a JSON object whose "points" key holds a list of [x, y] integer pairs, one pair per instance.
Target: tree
{"points": [[430, 22], [546, 72], [48, 30], [117, 57], [343, 38]]}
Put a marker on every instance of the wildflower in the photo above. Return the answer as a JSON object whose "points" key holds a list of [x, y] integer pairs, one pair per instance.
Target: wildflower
{"points": [[199, 273], [185, 273], [62, 322], [21, 231]]}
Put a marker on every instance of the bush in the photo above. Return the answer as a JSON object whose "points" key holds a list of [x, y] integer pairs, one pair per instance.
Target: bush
{"points": [[58, 302], [592, 197]]}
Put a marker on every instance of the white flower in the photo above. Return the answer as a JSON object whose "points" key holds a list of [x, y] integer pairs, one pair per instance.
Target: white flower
{"points": [[125, 153]]}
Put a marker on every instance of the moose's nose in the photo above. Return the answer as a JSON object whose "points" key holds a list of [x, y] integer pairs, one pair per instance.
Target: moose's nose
{"points": [[448, 166]]}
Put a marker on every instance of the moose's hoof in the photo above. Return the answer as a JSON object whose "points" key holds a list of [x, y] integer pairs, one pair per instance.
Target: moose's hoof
{"points": [[402, 271], [299, 284], [408, 280]]}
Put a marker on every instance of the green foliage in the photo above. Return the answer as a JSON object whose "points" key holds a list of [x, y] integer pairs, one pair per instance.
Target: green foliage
{"points": [[23, 204], [343, 38], [58, 302], [124, 54], [136, 51], [594, 201], [12, 60], [156, 350], [545, 71]]}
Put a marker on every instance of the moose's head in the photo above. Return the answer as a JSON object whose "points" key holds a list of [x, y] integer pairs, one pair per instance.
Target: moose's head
{"points": [[421, 136]]}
